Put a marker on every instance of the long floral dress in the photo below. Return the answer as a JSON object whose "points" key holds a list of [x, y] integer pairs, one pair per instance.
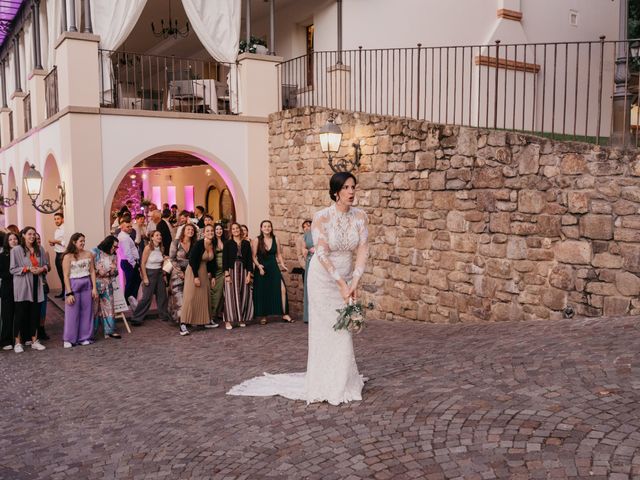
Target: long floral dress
{"points": [[106, 267], [180, 260], [217, 291], [332, 373]]}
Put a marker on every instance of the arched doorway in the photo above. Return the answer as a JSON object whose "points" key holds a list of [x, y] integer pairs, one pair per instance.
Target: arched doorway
{"points": [[171, 177]]}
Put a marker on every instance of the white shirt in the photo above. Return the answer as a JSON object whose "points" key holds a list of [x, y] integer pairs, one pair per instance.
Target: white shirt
{"points": [[127, 249], [154, 260], [59, 235]]}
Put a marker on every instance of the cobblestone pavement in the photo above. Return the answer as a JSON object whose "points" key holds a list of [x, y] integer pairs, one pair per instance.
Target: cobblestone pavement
{"points": [[510, 400]]}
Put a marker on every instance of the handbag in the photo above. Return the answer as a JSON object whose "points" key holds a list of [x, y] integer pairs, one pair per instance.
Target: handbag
{"points": [[167, 266]]}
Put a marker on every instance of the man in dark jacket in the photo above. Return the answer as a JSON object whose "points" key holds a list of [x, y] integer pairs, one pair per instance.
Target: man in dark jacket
{"points": [[165, 230]]}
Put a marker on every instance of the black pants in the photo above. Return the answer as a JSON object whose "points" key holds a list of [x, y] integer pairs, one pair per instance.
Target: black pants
{"points": [[27, 319], [59, 256], [7, 320], [132, 280]]}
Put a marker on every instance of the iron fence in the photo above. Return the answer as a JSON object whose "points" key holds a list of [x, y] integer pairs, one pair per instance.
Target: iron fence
{"points": [[562, 89], [167, 83], [51, 92]]}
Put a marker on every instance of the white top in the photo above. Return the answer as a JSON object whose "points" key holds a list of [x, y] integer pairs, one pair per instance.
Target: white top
{"points": [[80, 268], [127, 249], [154, 261], [59, 235]]}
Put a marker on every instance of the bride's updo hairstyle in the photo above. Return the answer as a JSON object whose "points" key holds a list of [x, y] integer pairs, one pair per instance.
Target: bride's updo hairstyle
{"points": [[337, 182]]}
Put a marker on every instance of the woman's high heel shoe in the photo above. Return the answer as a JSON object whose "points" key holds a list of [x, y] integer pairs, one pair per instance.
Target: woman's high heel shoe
{"points": [[288, 319]]}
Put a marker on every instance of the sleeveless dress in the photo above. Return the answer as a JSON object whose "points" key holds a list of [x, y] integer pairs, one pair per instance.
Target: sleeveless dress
{"points": [[180, 261], [195, 304], [217, 291], [332, 373], [267, 294]]}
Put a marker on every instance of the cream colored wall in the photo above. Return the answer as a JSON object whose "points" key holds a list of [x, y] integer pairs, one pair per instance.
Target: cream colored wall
{"points": [[236, 149]]}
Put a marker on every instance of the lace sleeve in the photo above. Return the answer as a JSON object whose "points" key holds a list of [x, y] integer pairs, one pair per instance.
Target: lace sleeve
{"points": [[321, 243], [362, 252]]}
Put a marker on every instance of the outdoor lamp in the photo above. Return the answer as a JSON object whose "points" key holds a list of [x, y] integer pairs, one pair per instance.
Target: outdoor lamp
{"points": [[33, 184], [7, 202], [330, 138]]}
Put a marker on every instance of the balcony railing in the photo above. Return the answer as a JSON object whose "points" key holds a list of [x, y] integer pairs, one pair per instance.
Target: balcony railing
{"points": [[51, 92], [152, 82], [27, 112], [561, 89]]}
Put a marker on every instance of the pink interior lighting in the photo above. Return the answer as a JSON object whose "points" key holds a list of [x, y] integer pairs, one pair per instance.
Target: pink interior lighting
{"points": [[189, 199], [156, 196], [171, 195]]}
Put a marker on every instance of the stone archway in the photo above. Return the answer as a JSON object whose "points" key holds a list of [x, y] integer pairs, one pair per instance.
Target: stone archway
{"points": [[230, 182]]}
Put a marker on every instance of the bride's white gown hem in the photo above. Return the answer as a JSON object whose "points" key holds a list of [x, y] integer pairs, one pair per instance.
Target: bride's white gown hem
{"points": [[332, 373]]}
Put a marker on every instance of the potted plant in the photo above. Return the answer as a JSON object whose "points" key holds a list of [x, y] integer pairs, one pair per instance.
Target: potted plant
{"points": [[255, 45]]}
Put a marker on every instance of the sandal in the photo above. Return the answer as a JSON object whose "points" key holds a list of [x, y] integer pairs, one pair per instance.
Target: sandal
{"points": [[228, 326], [263, 321], [288, 319]]}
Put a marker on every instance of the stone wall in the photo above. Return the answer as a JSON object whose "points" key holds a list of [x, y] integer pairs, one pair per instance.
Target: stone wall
{"points": [[469, 224]]}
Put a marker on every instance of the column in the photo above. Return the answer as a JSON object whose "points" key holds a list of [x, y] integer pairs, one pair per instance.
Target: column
{"points": [[37, 52], [88, 26], [272, 27], [258, 84], [78, 70]]}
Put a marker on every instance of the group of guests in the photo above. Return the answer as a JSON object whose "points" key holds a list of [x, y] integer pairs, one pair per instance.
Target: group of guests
{"points": [[198, 272]]}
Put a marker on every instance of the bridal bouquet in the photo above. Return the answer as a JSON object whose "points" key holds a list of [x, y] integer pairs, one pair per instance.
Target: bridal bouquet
{"points": [[351, 317]]}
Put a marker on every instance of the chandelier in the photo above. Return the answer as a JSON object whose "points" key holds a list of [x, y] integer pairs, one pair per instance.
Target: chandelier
{"points": [[170, 29]]}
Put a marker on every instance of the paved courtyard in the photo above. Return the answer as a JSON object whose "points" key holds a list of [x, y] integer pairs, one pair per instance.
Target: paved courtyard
{"points": [[510, 400]]}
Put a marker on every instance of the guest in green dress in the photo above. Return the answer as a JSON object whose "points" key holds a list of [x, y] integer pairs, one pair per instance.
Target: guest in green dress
{"points": [[217, 292], [269, 290]]}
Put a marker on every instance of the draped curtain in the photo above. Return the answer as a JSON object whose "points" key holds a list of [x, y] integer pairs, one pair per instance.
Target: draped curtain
{"points": [[217, 25], [113, 20]]}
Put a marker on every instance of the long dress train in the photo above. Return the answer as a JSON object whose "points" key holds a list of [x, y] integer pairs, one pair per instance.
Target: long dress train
{"points": [[332, 373]]}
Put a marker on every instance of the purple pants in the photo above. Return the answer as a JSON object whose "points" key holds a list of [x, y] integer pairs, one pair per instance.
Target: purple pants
{"points": [[78, 318]]}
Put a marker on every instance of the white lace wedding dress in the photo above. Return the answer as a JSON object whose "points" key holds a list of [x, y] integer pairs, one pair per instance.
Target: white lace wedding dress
{"points": [[332, 374]]}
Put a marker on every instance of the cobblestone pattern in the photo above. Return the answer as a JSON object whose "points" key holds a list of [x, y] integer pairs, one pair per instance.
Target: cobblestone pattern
{"points": [[516, 400], [470, 224]]}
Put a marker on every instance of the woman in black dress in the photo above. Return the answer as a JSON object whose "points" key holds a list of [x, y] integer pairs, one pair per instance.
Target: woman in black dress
{"points": [[6, 292]]}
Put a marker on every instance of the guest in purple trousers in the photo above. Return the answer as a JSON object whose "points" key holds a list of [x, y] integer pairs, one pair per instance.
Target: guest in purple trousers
{"points": [[80, 287]]}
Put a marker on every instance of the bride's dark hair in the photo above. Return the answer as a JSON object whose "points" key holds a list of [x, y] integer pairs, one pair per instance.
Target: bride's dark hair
{"points": [[337, 181]]}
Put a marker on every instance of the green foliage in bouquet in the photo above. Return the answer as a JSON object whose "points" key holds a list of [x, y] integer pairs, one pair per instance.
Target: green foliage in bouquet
{"points": [[352, 316]]}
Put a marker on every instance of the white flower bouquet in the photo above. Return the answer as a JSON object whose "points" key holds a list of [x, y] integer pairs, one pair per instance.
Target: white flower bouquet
{"points": [[352, 316]]}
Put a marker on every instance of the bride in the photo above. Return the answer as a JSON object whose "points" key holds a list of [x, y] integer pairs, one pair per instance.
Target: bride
{"points": [[332, 375]]}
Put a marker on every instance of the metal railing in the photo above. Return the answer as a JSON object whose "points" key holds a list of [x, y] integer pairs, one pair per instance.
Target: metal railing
{"points": [[166, 83], [565, 90], [27, 112], [51, 92]]}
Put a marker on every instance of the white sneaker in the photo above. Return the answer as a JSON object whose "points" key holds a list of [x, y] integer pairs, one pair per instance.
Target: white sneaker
{"points": [[67, 345], [86, 342], [18, 348], [8, 347], [38, 346], [27, 343], [133, 303], [211, 325], [183, 330]]}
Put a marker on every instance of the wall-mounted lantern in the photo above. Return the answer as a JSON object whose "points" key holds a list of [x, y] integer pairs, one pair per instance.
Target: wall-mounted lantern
{"points": [[330, 139], [33, 185], [7, 202]]}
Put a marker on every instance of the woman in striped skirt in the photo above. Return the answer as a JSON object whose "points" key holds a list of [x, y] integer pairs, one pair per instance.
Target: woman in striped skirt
{"points": [[238, 271]]}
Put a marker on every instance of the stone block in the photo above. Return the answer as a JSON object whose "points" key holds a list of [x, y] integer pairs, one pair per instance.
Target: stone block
{"points": [[554, 299], [516, 248], [385, 144], [562, 277], [628, 284], [425, 160], [578, 202], [437, 180], [627, 235], [616, 306], [574, 252], [531, 201], [631, 256], [500, 222], [456, 222], [573, 164], [443, 200], [597, 226], [487, 177], [503, 312], [606, 260], [467, 141], [528, 159], [486, 201]]}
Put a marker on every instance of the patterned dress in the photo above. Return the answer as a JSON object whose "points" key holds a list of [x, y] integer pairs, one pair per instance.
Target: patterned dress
{"points": [[180, 260], [106, 267], [217, 291]]}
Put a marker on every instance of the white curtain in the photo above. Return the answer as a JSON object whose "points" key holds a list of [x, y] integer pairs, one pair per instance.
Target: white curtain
{"points": [[113, 20], [54, 28], [217, 25]]}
